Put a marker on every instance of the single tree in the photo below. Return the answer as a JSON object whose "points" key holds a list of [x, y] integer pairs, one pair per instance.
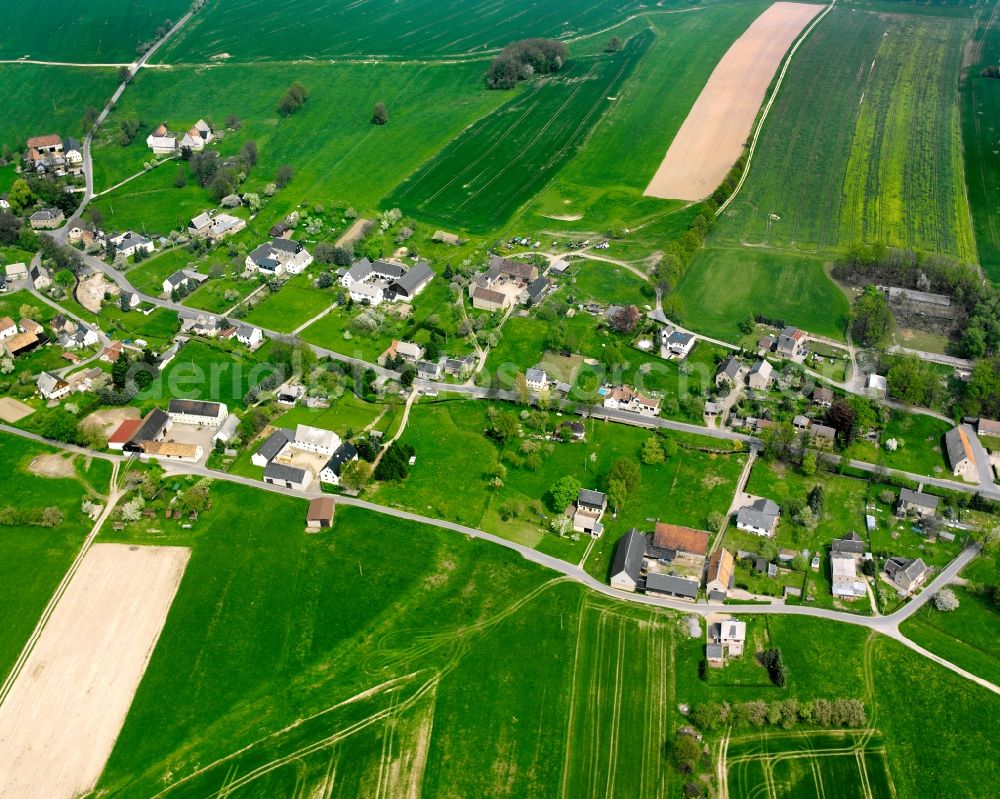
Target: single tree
{"points": [[379, 115]]}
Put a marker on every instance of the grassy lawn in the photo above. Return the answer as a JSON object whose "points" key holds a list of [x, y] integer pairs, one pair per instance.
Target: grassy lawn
{"points": [[148, 276], [347, 416], [518, 510], [610, 284], [295, 303], [211, 295], [723, 286], [538, 131], [919, 439], [158, 328], [34, 559]]}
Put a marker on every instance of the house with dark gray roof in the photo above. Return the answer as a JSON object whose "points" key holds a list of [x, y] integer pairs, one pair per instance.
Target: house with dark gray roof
{"points": [[916, 502], [851, 545], [153, 428], [627, 564], [345, 453], [672, 585], [731, 371], [760, 517], [534, 292], [198, 412], [959, 450], [587, 511], [274, 444], [287, 476], [410, 283], [906, 573]]}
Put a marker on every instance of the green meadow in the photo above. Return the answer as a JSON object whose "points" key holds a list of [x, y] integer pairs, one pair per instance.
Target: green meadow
{"points": [[495, 166], [722, 287], [34, 559], [340, 159], [85, 31], [381, 28], [39, 100]]}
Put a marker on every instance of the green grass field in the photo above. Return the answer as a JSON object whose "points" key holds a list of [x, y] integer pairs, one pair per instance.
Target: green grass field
{"points": [[99, 31], [723, 286], [209, 371], [905, 180], [919, 439], [42, 99], [381, 27], [980, 134], [294, 304], [611, 284], [340, 159], [479, 180], [34, 559]]}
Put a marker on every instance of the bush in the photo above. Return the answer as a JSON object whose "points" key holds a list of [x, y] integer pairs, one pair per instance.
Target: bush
{"points": [[776, 668], [945, 600], [520, 60]]}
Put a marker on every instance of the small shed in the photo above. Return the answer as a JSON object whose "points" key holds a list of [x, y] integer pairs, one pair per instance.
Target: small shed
{"points": [[320, 513]]}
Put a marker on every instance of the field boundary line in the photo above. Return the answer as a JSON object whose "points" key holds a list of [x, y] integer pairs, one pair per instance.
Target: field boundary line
{"points": [[767, 107]]}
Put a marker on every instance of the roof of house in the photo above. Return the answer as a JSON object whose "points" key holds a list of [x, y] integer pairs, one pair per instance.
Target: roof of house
{"points": [[627, 394], [360, 269], [988, 427], [801, 421], [290, 246], [275, 443], [5, 322], [677, 337], [821, 394], [958, 447], [367, 289], [792, 333], [681, 539], [851, 544], [244, 330], [48, 382], [823, 431], [731, 368], [904, 571], [195, 407], [428, 368], [15, 344], [49, 140], [389, 269], [762, 514], [671, 584], [320, 509], [537, 287], [911, 497], [279, 471], [46, 215], [762, 368], [152, 426], [125, 431], [203, 220], [131, 239], [720, 566], [629, 554], [731, 630], [489, 295], [414, 278], [594, 499], [508, 266], [314, 436], [344, 453], [714, 651], [535, 375], [173, 449]]}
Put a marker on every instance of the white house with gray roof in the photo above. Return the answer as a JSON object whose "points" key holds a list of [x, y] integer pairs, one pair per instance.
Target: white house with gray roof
{"points": [[760, 518]]}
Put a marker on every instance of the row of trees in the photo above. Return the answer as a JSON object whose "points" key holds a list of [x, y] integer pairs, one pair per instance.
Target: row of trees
{"points": [[785, 713], [520, 60], [11, 516]]}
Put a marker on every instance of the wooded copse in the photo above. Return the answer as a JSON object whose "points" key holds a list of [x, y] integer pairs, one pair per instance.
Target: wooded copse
{"points": [[520, 60]]}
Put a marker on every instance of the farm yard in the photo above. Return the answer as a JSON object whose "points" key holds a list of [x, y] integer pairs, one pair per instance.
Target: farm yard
{"points": [[723, 286], [382, 28], [498, 164]]}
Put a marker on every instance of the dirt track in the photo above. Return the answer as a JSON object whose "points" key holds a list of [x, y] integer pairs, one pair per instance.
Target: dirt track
{"points": [[60, 720], [712, 137]]}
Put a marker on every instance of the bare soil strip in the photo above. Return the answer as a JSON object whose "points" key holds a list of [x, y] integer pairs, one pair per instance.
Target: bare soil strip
{"points": [[63, 713], [12, 410], [712, 137]]}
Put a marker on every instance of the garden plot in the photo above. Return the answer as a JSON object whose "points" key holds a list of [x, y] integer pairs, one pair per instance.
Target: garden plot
{"points": [[65, 706], [712, 137]]}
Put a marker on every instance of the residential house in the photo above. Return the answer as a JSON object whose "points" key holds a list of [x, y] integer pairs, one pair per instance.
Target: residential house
{"points": [[52, 387], [30, 326], [198, 136], [721, 575], [409, 351], [22, 343], [46, 219], [182, 280], [161, 141], [459, 367], [367, 293], [960, 455], [315, 439], [677, 343], [7, 328], [62, 325], [197, 412], [760, 518], [586, 512], [514, 270], [73, 153], [730, 372], [171, 451], [536, 290], [129, 300], [575, 431], [487, 299], [273, 446], [536, 379], [199, 225], [822, 436], [83, 337], [278, 257], [320, 513], [988, 427], [248, 335], [429, 370], [906, 573], [129, 243], [40, 277], [766, 344], [287, 476], [877, 386], [628, 561], [16, 272], [714, 655], [849, 546], [344, 454], [791, 342], [846, 583], [624, 398], [800, 422], [760, 376], [730, 635], [410, 284], [672, 542], [916, 502], [822, 396]]}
